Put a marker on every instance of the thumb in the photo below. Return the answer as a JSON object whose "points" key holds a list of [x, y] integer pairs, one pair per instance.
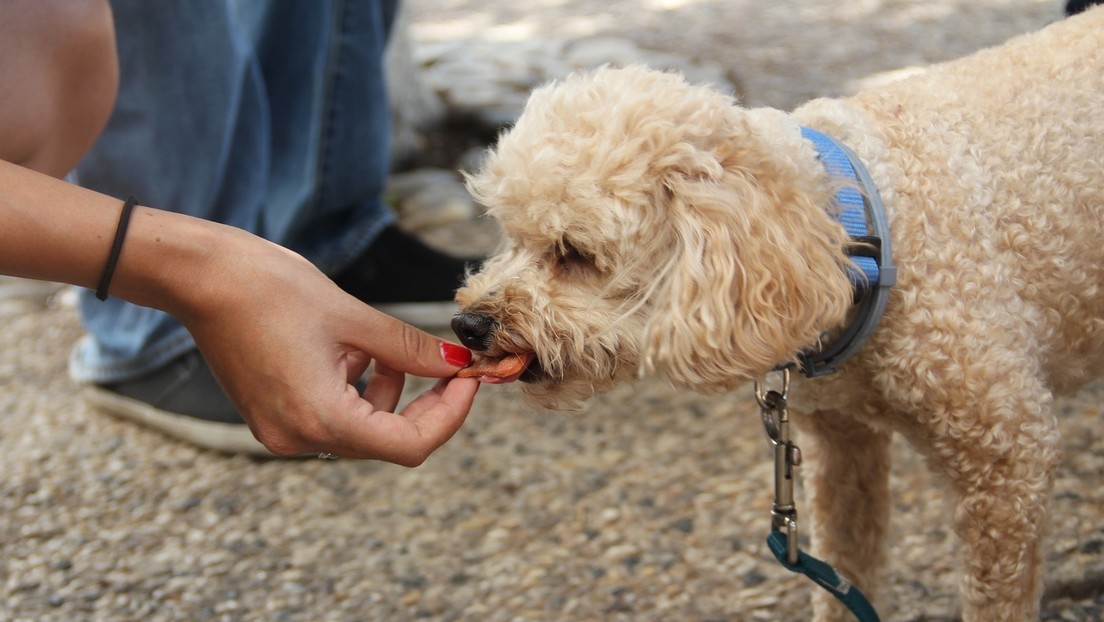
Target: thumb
{"points": [[405, 348]]}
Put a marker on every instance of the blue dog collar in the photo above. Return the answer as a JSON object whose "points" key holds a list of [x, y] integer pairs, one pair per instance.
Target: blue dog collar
{"points": [[861, 212]]}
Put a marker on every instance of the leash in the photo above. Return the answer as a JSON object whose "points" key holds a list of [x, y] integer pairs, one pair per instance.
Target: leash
{"points": [[782, 539], [862, 214]]}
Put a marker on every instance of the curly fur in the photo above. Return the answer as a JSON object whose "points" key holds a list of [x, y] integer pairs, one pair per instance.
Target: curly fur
{"points": [[654, 227]]}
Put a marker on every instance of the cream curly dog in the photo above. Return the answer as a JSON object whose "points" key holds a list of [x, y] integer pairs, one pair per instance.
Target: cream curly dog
{"points": [[655, 228]]}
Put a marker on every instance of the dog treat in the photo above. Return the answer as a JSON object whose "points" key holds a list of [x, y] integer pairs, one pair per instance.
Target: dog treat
{"points": [[505, 367]]}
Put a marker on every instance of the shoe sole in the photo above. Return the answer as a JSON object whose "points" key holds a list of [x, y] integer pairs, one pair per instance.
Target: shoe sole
{"points": [[424, 315], [226, 438]]}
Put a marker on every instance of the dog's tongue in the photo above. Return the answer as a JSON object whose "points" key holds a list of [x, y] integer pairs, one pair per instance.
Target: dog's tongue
{"points": [[497, 370]]}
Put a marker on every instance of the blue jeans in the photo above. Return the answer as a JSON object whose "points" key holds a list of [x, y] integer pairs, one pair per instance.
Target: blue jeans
{"points": [[269, 115]]}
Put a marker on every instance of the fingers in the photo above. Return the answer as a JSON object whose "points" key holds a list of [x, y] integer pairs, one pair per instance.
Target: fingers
{"points": [[331, 416], [444, 415], [405, 348], [356, 364], [407, 438], [384, 388]]}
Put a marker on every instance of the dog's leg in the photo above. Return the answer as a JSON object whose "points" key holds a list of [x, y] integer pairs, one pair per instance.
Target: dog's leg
{"points": [[1000, 455], [849, 468], [983, 417]]}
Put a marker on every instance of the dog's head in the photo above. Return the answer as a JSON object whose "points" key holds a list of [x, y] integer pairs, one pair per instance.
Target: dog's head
{"points": [[651, 226]]}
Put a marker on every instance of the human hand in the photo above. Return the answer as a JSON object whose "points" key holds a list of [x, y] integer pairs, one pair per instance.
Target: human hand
{"points": [[287, 345], [285, 342]]}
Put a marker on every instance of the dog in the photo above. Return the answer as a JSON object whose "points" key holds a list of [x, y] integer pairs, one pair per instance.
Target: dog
{"points": [[654, 228]]}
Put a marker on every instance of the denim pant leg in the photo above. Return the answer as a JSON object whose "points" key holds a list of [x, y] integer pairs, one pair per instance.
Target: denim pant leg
{"points": [[330, 123], [266, 115]]}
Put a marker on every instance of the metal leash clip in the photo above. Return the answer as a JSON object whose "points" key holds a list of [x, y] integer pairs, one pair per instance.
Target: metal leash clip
{"points": [[776, 422], [782, 539]]}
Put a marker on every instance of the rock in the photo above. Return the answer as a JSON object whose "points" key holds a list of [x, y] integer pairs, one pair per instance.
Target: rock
{"points": [[426, 199]]}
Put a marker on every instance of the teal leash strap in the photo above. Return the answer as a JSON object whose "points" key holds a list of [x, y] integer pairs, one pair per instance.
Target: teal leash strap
{"points": [[825, 576], [783, 536]]}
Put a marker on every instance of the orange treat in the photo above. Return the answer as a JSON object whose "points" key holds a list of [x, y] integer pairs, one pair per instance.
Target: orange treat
{"points": [[505, 367]]}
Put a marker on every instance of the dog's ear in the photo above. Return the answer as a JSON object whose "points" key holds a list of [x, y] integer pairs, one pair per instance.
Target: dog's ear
{"points": [[757, 276]]}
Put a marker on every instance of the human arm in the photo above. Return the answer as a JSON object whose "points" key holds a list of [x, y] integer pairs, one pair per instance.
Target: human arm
{"points": [[284, 341]]}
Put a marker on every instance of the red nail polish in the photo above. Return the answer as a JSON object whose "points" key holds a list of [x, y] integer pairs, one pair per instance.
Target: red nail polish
{"points": [[455, 355]]}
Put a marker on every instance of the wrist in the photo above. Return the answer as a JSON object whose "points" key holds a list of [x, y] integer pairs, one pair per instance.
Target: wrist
{"points": [[170, 261], [116, 247]]}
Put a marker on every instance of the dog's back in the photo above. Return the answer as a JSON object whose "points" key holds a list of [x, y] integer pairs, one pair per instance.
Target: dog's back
{"points": [[992, 169]]}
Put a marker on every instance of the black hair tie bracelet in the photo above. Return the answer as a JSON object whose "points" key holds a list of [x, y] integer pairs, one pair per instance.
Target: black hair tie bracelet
{"points": [[116, 249]]}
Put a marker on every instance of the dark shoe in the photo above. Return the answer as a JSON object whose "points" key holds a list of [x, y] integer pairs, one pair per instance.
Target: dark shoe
{"points": [[1073, 7], [401, 276], [182, 400]]}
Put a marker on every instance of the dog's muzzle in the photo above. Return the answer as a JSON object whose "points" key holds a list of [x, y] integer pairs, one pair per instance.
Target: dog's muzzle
{"points": [[473, 329], [476, 330]]}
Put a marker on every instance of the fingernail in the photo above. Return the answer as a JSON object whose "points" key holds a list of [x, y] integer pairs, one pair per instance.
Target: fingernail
{"points": [[453, 354]]}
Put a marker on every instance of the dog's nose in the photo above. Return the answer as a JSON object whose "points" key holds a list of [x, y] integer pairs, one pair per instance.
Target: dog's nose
{"points": [[473, 329]]}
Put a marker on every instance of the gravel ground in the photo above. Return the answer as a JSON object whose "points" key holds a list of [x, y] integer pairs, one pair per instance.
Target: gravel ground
{"points": [[651, 505]]}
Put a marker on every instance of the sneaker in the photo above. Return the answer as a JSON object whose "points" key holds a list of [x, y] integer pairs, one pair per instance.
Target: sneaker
{"points": [[403, 277], [182, 400]]}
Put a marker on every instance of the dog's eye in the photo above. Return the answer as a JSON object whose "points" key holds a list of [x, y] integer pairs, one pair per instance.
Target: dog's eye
{"points": [[568, 256]]}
